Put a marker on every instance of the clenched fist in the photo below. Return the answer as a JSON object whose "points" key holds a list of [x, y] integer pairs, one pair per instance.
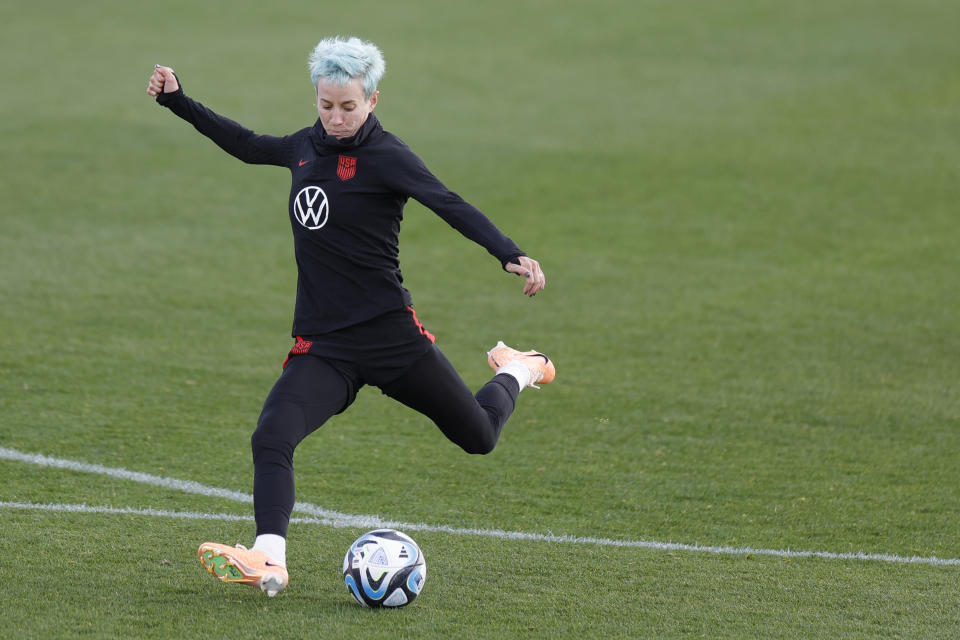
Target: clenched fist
{"points": [[163, 80]]}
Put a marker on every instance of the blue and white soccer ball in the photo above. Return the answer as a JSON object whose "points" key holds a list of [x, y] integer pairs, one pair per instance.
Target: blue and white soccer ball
{"points": [[384, 568]]}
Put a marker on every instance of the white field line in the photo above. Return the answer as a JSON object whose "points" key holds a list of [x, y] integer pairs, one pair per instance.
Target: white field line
{"points": [[330, 518]]}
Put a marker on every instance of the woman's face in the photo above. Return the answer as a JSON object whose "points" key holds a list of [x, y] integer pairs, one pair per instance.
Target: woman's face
{"points": [[343, 110]]}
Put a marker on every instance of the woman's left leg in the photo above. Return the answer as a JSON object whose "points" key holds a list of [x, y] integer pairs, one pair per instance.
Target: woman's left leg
{"points": [[434, 388]]}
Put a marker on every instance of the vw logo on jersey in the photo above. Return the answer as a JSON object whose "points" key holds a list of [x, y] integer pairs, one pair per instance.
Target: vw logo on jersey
{"points": [[311, 207]]}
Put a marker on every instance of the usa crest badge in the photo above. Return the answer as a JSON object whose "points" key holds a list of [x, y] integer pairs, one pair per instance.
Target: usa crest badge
{"points": [[346, 167]]}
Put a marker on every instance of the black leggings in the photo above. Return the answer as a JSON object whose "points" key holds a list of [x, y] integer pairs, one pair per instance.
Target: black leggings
{"points": [[311, 390]]}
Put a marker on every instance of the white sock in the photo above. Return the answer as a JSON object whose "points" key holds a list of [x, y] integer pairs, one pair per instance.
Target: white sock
{"points": [[518, 371], [273, 545]]}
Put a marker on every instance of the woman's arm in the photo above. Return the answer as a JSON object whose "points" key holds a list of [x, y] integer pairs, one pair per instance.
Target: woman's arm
{"points": [[230, 136], [411, 176]]}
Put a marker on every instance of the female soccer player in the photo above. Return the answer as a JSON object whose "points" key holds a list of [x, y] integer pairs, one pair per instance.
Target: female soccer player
{"points": [[354, 322]]}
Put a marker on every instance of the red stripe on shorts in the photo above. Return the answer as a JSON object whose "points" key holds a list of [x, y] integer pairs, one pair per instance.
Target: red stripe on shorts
{"points": [[423, 331]]}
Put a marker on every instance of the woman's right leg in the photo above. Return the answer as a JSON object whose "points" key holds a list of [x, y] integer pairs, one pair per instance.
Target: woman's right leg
{"points": [[307, 394]]}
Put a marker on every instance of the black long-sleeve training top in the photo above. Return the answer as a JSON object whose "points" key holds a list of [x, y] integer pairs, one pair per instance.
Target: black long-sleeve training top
{"points": [[346, 203]]}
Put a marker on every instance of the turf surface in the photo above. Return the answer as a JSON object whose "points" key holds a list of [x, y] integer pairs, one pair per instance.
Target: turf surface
{"points": [[746, 212]]}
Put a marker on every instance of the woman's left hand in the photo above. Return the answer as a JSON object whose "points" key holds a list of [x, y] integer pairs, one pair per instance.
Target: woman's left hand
{"points": [[529, 269]]}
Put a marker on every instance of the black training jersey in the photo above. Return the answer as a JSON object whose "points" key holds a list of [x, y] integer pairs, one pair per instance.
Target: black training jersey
{"points": [[346, 203]]}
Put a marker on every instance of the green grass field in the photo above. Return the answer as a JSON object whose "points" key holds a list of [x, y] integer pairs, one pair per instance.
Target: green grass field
{"points": [[748, 216]]}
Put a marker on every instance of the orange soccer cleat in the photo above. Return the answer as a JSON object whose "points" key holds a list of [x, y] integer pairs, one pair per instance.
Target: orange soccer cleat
{"points": [[246, 566], [540, 366]]}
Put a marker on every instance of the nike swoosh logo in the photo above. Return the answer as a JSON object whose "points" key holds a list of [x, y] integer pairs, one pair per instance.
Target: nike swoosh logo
{"points": [[303, 162], [270, 564]]}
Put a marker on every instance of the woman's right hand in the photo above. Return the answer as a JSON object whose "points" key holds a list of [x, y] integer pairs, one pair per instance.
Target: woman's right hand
{"points": [[163, 80]]}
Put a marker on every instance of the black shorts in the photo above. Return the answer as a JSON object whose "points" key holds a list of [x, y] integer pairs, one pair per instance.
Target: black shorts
{"points": [[374, 352]]}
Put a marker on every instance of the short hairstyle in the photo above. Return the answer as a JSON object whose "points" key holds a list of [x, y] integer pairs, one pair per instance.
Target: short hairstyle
{"points": [[342, 60]]}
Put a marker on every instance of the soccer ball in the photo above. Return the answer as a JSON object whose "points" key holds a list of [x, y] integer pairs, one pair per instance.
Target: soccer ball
{"points": [[384, 568]]}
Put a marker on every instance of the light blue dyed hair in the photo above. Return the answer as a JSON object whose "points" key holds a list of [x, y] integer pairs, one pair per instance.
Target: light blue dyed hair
{"points": [[342, 60]]}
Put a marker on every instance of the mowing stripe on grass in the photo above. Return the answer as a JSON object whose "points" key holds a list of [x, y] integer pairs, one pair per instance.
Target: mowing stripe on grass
{"points": [[342, 520], [157, 513]]}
